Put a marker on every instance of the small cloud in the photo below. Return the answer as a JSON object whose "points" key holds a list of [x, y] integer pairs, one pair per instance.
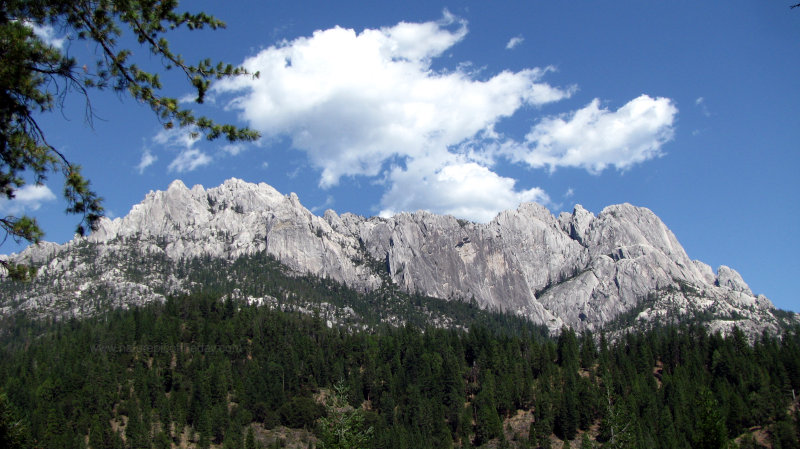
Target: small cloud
{"points": [[47, 34], [293, 174], [177, 137], [191, 98], [189, 160], [188, 98], [701, 103], [34, 194], [233, 149], [326, 205], [28, 198], [147, 160], [514, 41], [265, 164], [569, 193]]}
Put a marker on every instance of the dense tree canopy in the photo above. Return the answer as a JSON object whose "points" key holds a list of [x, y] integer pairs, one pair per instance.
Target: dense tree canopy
{"points": [[36, 77], [211, 372]]}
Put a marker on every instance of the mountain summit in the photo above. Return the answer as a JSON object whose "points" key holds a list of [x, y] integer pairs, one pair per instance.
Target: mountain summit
{"points": [[577, 269]]}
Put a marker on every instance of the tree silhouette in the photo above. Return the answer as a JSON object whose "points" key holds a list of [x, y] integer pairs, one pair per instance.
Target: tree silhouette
{"points": [[36, 77]]}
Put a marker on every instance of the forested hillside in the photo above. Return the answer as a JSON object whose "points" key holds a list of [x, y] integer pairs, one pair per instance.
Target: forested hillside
{"points": [[198, 371]]}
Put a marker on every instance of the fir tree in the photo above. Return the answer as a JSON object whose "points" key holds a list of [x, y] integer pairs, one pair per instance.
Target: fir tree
{"points": [[586, 442], [710, 432]]}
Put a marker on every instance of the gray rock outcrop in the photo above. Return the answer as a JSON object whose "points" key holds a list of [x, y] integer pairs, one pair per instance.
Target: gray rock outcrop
{"points": [[578, 270]]}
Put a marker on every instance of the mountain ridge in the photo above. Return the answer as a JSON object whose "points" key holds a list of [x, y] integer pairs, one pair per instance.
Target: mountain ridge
{"points": [[578, 269]]}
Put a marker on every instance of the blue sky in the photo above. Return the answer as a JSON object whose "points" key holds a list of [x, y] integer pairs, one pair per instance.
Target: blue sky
{"points": [[690, 109]]}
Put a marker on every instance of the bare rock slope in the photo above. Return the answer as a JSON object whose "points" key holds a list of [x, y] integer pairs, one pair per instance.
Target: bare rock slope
{"points": [[576, 269]]}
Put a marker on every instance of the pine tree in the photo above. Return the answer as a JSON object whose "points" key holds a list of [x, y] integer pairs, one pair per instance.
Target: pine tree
{"points": [[532, 437], [136, 434], [616, 427], [487, 423], [567, 348], [162, 441], [710, 432], [56, 429], [566, 419], [586, 443], [100, 434], [250, 440], [13, 434], [343, 427]]}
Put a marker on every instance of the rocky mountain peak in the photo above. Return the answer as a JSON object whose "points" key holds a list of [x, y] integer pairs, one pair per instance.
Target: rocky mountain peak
{"points": [[730, 278], [577, 223], [578, 269]]}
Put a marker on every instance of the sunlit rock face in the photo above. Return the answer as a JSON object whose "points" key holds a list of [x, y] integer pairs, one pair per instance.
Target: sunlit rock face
{"points": [[235, 219], [577, 269]]}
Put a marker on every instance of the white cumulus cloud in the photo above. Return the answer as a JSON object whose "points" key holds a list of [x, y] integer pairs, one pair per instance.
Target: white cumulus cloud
{"points": [[353, 101], [370, 103], [594, 138], [514, 41], [28, 198], [461, 188]]}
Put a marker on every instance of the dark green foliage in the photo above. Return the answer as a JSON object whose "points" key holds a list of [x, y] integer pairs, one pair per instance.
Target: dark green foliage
{"points": [[566, 420], [784, 435], [300, 412], [344, 427], [250, 440], [219, 366], [261, 275], [586, 442], [13, 434], [710, 432], [487, 422]]}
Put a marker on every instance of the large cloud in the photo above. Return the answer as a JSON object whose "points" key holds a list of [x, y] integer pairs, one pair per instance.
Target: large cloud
{"points": [[594, 138], [370, 103], [354, 100]]}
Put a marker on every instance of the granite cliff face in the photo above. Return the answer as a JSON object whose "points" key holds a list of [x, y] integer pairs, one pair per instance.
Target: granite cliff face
{"points": [[576, 269]]}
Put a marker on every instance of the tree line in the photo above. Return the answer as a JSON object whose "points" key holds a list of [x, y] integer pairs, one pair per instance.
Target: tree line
{"points": [[213, 372]]}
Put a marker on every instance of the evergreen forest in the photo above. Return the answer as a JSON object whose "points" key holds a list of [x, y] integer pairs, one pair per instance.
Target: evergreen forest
{"points": [[200, 371]]}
